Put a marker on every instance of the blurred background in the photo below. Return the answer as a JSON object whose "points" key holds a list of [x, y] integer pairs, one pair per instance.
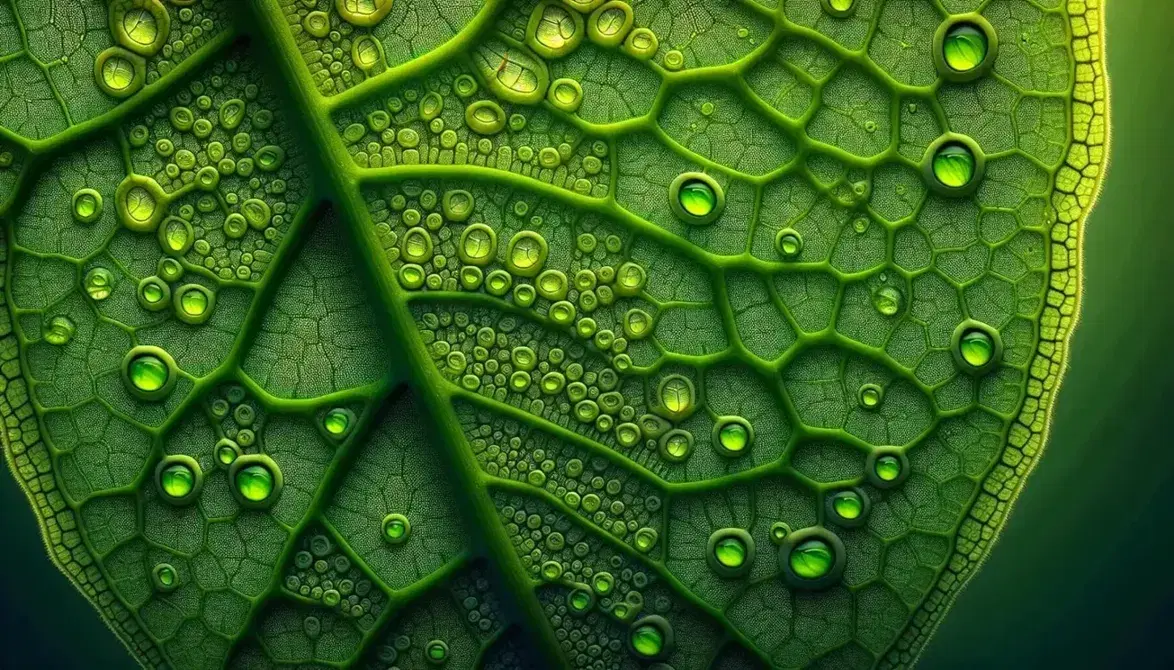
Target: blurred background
{"points": [[1078, 579]]}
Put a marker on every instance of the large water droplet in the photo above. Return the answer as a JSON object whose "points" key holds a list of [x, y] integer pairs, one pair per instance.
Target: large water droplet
{"points": [[697, 198], [647, 640], [730, 552], [733, 436], [337, 422], [396, 528], [954, 165], [255, 483], [676, 395], [888, 468], [964, 47], [87, 205], [148, 373], [811, 559], [976, 347], [59, 331], [177, 480], [887, 300], [848, 505]]}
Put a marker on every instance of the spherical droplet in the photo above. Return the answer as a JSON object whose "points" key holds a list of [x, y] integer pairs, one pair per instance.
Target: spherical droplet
{"points": [[580, 600], [650, 638], [788, 243], [730, 552], [888, 468], [255, 483], [337, 422], [396, 528], [887, 300], [646, 539], [954, 165], [676, 395], [697, 198], [177, 480], [964, 47], [87, 205], [436, 651], [870, 396], [165, 577], [59, 331], [733, 436], [841, 5], [848, 505], [811, 559], [148, 373], [976, 347], [99, 283]]}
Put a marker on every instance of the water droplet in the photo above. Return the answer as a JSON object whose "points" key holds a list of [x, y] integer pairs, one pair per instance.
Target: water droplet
{"points": [[788, 243], [478, 245], [676, 445], [954, 165], [630, 279], [526, 254], [337, 422], [730, 552], [87, 205], [697, 198], [887, 300], [255, 482], [976, 347], [99, 283], [650, 638], [811, 559], [964, 47], [641, 43], [416, 245], [367, 53], [580, 600], [177, 480], [269, 158], [676, 395], [194, 300], [609, 24], [779, 532], [733, 436], [888, 468], [485, 117], [148, 372], [164, 577], [566, 94], [119, 72], [848, 505], [646, 539], [436, 651], [553, 30], [154, 294], [227, 451], [870, 396], [637, 324], [138, 24], [396, 528], [59, 331]]}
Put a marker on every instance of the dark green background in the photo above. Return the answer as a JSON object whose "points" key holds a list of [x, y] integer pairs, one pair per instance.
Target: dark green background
{"points": [[1079, 578]]}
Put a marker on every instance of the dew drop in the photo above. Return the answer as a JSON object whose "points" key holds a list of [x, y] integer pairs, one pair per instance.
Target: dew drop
{"points": [[848, 505], [730, 552], [59, 331], [255, 483], [99, 283], [976, 347], [177, 480], [870, 396], [954, 165], [676, 395], [811, 559], [887, 300], [697, 198], [436, 651], [965, 47], [337, 422], [580, 600], [148, 373], [788, 243], [87, 205], [888, 468], [396, 528], [165, 577], [733, 436]]}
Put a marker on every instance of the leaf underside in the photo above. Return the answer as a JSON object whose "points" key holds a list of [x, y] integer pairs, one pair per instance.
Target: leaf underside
{"points": [[517, 334]]}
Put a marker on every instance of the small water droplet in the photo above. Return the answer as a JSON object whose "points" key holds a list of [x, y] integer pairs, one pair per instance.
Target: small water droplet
{"points": [[59, 331], [888, 468], [977, 348], [887, 300], [954, 165]]}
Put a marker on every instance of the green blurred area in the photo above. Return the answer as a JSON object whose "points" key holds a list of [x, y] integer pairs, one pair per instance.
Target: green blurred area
{"points": [[1079, 578]]}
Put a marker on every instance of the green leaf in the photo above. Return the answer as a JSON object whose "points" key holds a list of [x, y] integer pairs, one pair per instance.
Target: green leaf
{"points": [[536, 334]]}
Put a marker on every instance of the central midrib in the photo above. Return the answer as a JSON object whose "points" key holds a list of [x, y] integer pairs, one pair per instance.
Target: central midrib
{"points": [[343, 189]]}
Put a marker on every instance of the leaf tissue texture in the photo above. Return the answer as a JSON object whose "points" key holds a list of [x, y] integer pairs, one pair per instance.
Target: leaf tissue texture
{"points": [[516, 334]]}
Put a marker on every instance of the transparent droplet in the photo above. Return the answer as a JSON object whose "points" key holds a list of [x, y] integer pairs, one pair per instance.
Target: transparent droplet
{"points": [[396, 528], [148, 373], [887, 300], [647, 640], [194, 302], [811, 559], [87, 205], [165, 575], [888, 468], [436, 651], [99, 283], [59, 331], [848, 505], [730, 552], [254, 483], [676, 394], [788, 243], [337, 422], [697, 198], [954, 165], [733, 437], [977, 348], [177, 480], [870, 396], [964, 47]]}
